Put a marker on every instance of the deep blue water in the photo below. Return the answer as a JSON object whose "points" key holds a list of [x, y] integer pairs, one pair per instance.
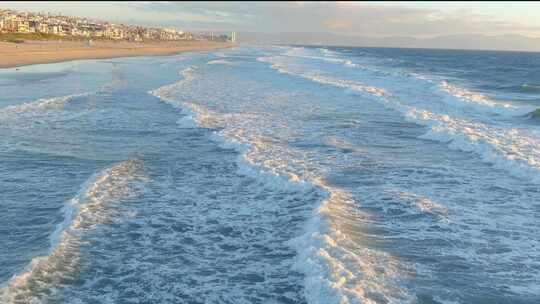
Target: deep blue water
{"points": [[272, 175]]}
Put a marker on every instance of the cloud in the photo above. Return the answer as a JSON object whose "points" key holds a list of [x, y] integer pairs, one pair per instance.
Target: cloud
{"points": [[337, 25], [346, 18], [335, 17]]}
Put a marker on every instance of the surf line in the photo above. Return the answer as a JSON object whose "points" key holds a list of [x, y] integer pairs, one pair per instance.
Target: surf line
{"points": [[86, 211]]}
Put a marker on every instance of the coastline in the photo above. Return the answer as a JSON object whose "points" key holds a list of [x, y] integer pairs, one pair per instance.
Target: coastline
{"points": [[39, 52]]}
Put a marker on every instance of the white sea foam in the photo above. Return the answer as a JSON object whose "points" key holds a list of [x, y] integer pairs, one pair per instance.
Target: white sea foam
{"points": [[324, 79], [514, 150], [423, 203], [249, 145], [481, 103], [274, 66], [328, 56], [221, 61], [336, 265], [40, 105], [468, 95], [326, 51], [336, 268], [90, 208], [347, 85], [451, 94], [187, 73], [164, 91]]}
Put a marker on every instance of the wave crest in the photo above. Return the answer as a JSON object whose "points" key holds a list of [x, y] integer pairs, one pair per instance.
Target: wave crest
{"points": [[514, 150], [40, 105], [84, 212], [220, 61], [336, 268]]}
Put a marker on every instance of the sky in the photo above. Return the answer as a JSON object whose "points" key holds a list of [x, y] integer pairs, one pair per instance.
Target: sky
{"points": [[373, 19]]}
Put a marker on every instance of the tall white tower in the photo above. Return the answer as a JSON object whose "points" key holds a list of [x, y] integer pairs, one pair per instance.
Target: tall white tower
{"points": [[233, 37]]}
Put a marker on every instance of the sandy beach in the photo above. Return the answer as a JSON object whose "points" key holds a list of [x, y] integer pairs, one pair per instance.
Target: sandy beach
{"points": [[35, 52]]}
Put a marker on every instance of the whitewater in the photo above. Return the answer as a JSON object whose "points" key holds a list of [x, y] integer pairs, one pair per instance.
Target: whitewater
{"points": [[279, 174]]}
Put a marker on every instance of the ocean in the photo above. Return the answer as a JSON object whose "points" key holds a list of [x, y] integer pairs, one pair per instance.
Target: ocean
{"points": [[273, 174]]}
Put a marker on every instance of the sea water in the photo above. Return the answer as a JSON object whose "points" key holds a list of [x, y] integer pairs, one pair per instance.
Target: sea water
{"points": [[272, 174]]}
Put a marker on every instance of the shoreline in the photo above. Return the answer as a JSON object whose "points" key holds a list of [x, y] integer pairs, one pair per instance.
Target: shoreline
{"points": [[13, 55]]}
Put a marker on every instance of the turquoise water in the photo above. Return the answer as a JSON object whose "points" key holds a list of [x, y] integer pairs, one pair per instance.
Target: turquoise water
{"points": [[272, 175]]}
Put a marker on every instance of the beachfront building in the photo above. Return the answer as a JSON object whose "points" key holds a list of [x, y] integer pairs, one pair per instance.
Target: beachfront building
{"points": [[8, 21], [11, 24], [23, 27], [23, 22], [53, 29], [65, 29], [151, 34], [213, 37], [114, 32], [171, 34]]}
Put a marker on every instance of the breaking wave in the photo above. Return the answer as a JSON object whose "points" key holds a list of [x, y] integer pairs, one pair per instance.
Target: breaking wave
{"points": [[323, 79], [338, 266], [336, 269], [87, 210], [164, 91], [39, 106], [479, 101], [512, 149], [220, 61], [329, 56], [452, 94]]}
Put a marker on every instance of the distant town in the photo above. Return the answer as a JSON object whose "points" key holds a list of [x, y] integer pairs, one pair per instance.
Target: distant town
{"points": [[14, 22]]}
